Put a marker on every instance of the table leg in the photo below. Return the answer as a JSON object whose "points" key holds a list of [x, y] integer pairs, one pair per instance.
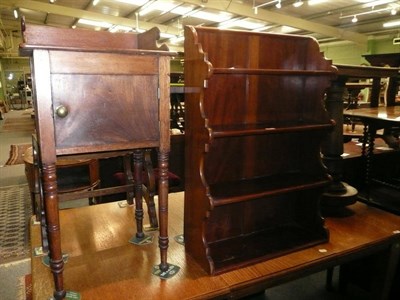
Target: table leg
{"points": [[163, 207], [53, 228], [368, 153], [138, 171], [129, 177]]}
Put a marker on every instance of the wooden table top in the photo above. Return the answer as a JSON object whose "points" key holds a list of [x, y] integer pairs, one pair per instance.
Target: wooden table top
{"points": [[388, 113], [366, 71], [104, 265]]}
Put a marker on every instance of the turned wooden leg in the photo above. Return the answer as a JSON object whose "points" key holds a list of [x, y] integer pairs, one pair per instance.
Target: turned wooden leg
{"points": [[163, 208], [129, 177], [53, 228], [138, 171], [40, 213], [150, 189]]}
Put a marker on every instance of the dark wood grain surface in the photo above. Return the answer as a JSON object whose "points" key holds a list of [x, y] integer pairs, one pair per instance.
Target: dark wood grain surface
{"points": [[104, 265]]}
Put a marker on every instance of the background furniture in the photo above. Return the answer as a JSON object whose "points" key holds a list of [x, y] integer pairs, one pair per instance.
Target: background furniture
{"points": [[373, 119], [97, 93], [72, 175], [254, 121], [380, 60], [339, 194]]}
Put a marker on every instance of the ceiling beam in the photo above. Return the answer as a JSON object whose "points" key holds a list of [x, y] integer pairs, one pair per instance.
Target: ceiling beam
{"points": [[84, 14], [278, 18], [245, 10]]}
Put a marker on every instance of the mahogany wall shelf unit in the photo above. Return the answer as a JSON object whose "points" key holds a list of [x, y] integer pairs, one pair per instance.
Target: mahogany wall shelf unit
{"points": [[98, 93], [254, 120]]}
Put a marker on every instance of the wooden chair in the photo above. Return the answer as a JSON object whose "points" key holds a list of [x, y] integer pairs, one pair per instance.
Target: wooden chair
{"points": [[75, 176], [72, 175]]}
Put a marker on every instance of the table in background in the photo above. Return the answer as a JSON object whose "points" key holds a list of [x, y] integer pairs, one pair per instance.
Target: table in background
{"points": [[374, 118]]}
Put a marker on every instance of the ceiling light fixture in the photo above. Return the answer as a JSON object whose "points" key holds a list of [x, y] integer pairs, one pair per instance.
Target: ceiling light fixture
{"points": [[298, 3], [265, 4], [354, 20], [133, 2], [94, 23], [392, 24], [95, 2], [15, 12], [313, 2], [372, 4], [52, 1], [152, 6], [366, 12], [278, 5]]}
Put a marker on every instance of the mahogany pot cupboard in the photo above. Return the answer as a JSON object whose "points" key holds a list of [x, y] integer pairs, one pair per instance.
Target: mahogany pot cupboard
{"points": [[98, 94]]}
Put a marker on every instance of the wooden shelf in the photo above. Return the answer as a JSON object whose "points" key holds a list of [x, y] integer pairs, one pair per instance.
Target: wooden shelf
{"points": [[253, 134], [261, 129], [282, 72], [261, 245], [244, 190]]}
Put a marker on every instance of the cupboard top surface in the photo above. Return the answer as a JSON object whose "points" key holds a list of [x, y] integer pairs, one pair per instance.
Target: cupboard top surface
{"points": [[45, 37]]}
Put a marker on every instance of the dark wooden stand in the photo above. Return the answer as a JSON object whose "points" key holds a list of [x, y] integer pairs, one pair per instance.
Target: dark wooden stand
{"points": [[340, 194], [97, 93], [373, 119], [253, 127]]}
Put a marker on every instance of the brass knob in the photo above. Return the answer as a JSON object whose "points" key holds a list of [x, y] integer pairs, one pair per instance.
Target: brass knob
{"points": [[61, 111]]}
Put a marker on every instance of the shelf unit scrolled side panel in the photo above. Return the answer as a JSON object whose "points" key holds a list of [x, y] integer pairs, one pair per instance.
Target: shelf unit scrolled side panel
{"points": [[197, 204]]}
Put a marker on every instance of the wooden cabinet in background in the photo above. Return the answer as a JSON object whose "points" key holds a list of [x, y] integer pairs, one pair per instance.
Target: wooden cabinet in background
{"points": [[254, 122]]}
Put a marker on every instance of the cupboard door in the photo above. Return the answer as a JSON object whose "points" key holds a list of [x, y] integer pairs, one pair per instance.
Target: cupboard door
{"points": [[105, 110]]}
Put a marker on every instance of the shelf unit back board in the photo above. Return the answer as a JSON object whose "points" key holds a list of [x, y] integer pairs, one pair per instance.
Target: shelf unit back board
{"points": [[254, 122]]}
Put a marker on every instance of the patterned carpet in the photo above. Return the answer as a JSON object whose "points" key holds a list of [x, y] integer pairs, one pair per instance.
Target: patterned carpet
{"points": [[15, 214], [20, 124], [17, 154]]}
